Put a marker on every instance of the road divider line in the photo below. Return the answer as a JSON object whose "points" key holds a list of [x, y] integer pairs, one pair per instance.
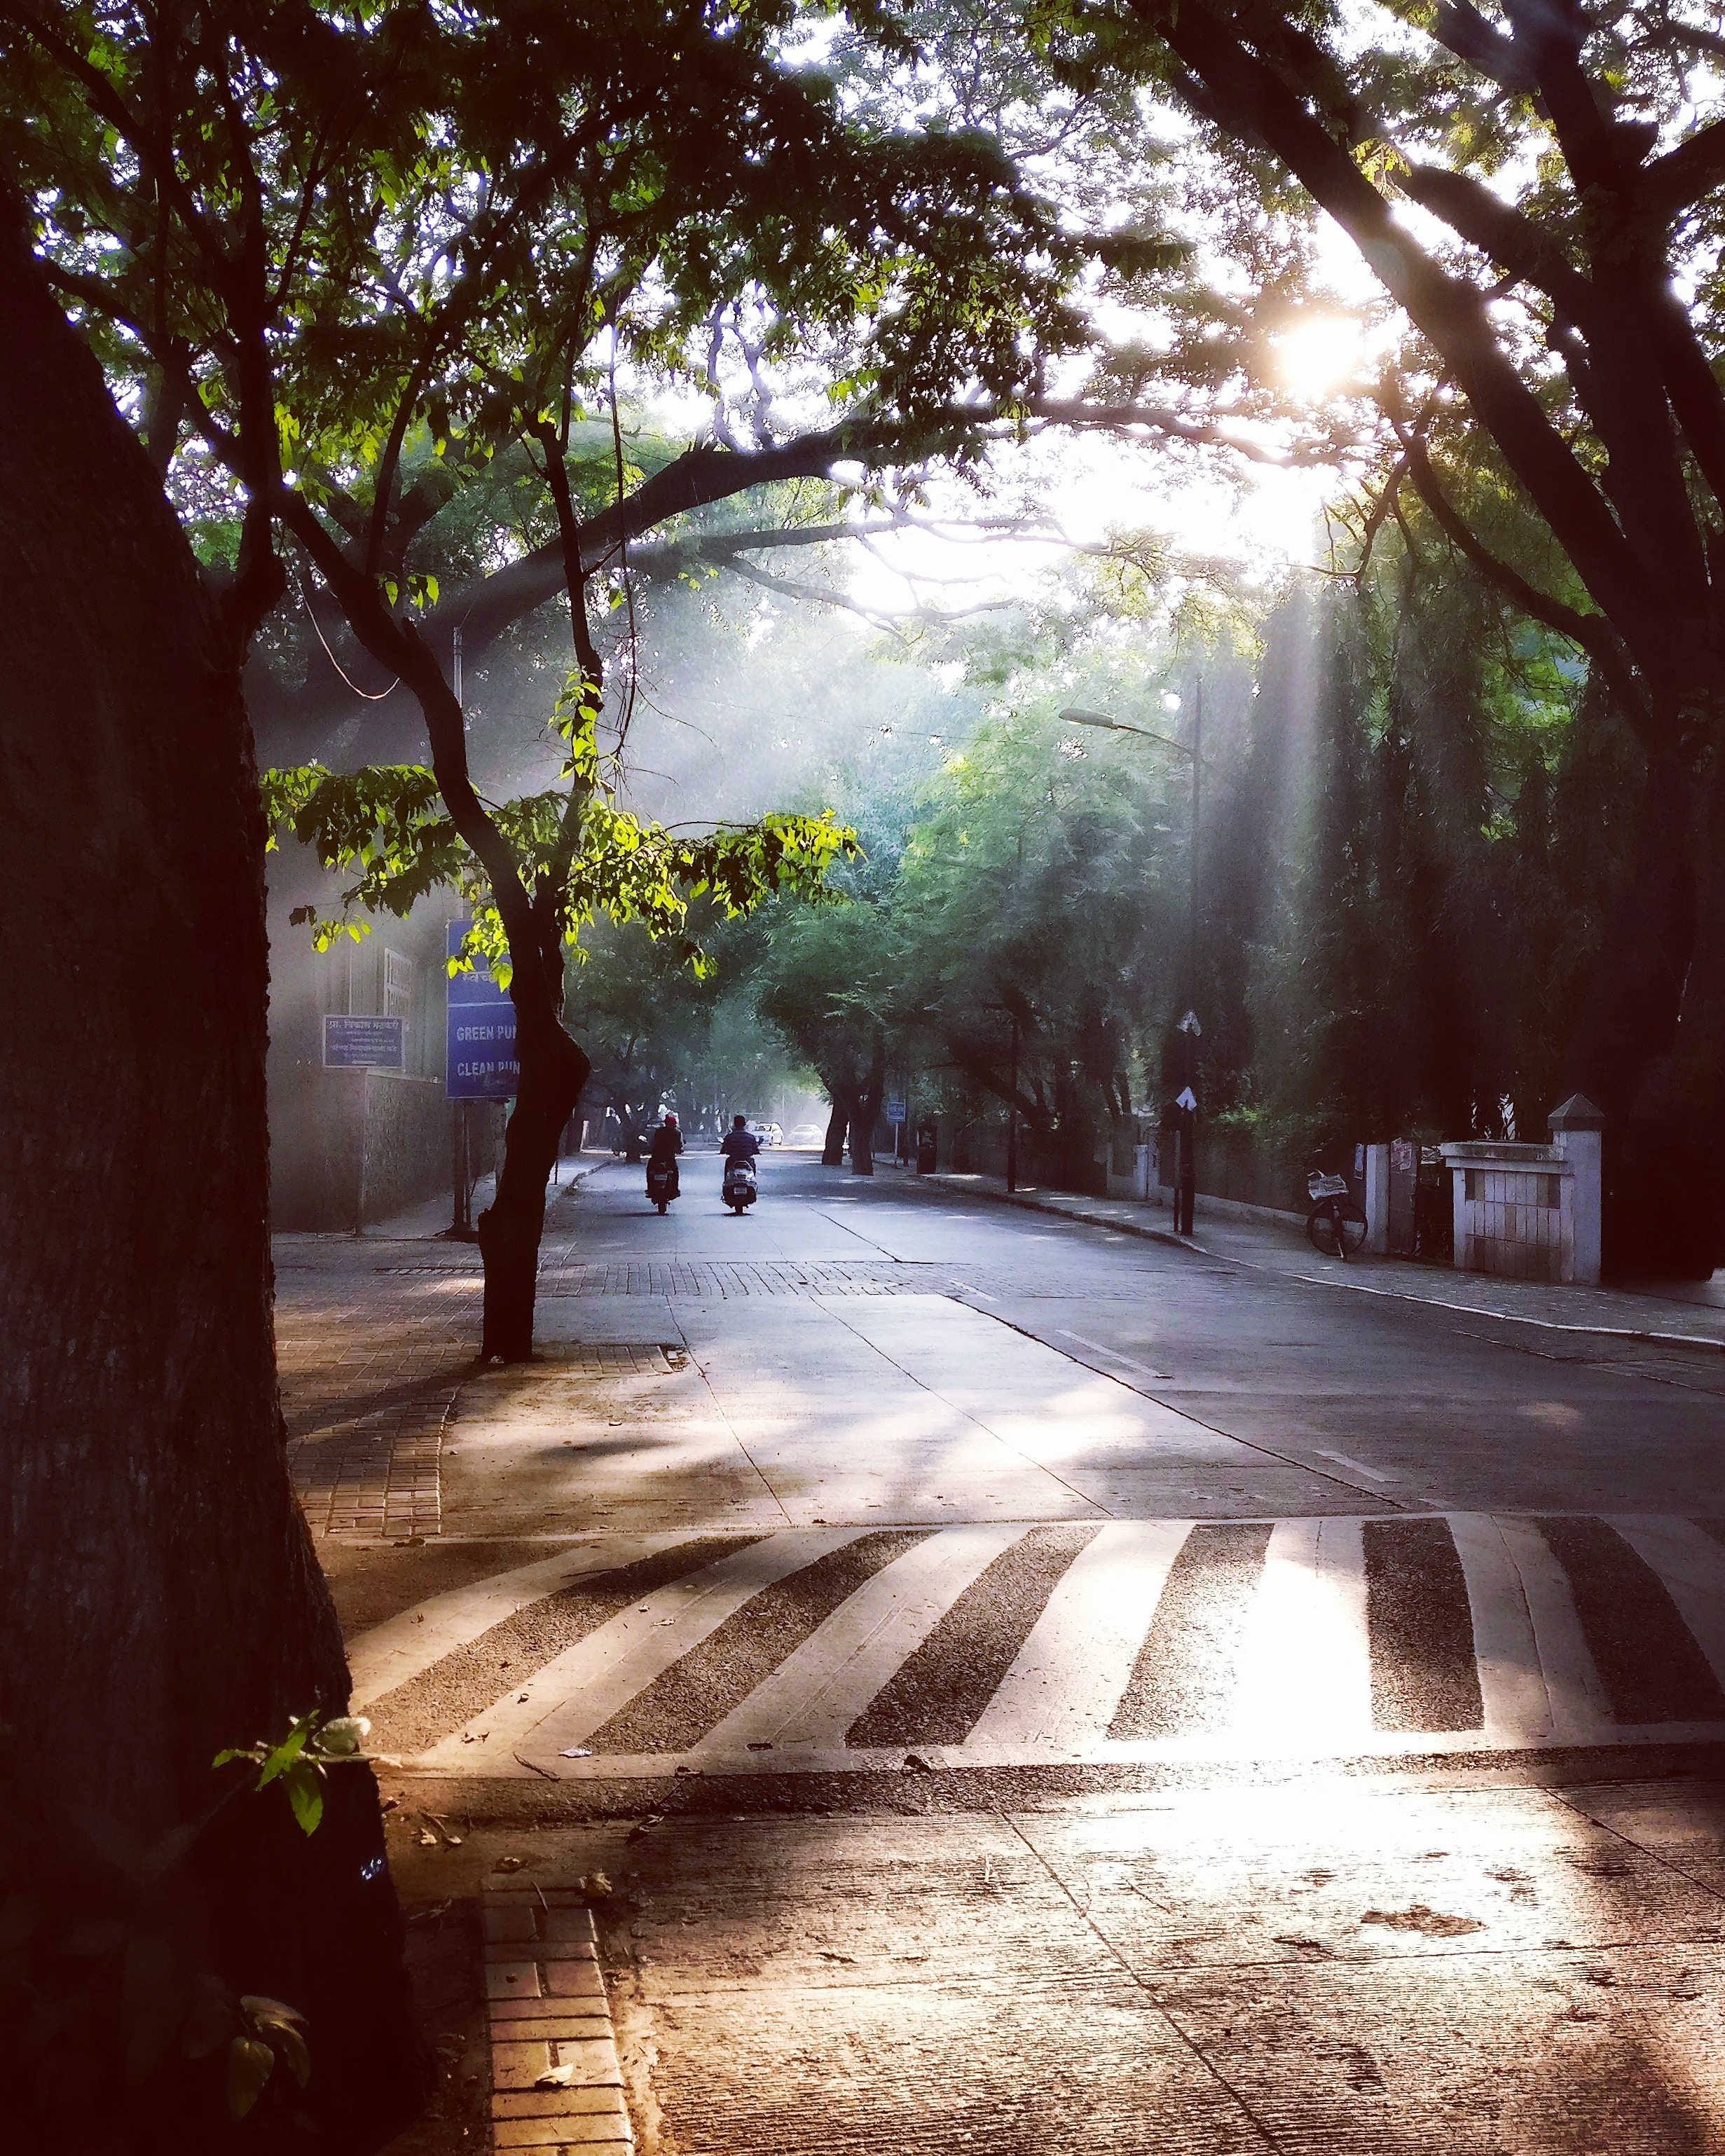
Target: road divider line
{"points": [[1143, 1368], [1360, 1467]]}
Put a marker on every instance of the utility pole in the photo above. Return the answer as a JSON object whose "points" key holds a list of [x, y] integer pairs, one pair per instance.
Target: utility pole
{"points": [[1192, 865], [1012, 1114]]}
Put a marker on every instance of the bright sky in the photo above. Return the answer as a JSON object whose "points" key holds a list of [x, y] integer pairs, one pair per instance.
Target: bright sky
{"points": [[1263, 517]]}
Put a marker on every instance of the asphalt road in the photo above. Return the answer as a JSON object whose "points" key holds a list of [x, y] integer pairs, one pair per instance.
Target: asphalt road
{"points": [[870, 1472], [1008, 1687]]}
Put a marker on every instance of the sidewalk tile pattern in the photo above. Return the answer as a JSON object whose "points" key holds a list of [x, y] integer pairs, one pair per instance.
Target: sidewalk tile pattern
{"points": [[556, 2080], [367, 1383], [714, 1281]]}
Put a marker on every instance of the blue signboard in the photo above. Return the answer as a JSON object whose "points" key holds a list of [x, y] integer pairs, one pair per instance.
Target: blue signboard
{"points": [[351, 1042], [482, 1064]]}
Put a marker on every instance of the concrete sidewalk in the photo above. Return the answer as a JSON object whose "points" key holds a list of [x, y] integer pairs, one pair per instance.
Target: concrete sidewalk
{"points": [[1667, 1314], [429, 1217]]}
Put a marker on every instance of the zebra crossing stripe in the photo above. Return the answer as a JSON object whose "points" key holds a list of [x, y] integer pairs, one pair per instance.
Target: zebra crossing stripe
{"points": [[814, 1696], [1423, 1674], [684, 1703], [1072, 1672], [1001, 1643], [1305, 1668], [1691, 1565], [1580, 1712], [1649, 1664], [1516, 1705], [937, 1695], [1183, 1678], [405, 1646], [581, 1689]]}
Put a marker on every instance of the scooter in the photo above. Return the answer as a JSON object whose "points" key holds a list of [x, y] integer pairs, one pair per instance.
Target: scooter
{"points": [[739, 1188], [660, 1187]]}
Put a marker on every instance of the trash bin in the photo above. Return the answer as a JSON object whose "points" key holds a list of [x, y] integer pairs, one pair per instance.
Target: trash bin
{"points": [[925, 1149]]}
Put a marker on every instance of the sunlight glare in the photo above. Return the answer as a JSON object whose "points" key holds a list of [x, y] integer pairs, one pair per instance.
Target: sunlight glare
{"points": [[1320, 352]]}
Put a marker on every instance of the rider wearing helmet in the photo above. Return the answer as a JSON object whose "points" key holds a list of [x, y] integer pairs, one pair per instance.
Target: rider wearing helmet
{"points": [[667, 1144]]}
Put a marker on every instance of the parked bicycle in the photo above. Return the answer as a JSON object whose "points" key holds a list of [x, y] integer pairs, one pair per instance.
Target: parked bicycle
{"points": [[1336, 1224]]}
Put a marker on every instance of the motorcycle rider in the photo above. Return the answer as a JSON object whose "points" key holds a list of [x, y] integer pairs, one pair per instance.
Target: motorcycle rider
{"points": [[667, 1144], [739, 1142]]}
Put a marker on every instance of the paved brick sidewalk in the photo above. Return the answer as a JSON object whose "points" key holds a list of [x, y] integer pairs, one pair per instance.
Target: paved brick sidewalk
{"points": [[1621, 1311], [373, 1334], [556, 2081], [367, 1381]]}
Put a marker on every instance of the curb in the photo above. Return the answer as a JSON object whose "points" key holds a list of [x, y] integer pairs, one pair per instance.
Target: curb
{"points": [[1031, 1203], [556, 2081]]}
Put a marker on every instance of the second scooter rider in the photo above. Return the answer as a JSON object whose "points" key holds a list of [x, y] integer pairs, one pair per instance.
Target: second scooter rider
{"points": [[667, 1144]]}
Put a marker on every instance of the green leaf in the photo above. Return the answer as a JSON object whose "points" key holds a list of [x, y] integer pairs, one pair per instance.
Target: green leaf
{"points": [[284, 2030], [289, 1750], [256, 2007], [249, 2066], [304, 1783]]}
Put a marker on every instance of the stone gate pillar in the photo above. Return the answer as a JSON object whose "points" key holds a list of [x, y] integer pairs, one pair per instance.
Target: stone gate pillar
{"points": [[1578, 1132]]}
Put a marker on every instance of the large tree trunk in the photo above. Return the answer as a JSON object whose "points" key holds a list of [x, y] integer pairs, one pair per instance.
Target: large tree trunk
{"points": [[832, 1153], [864, 1114], [159, 1594], [1647, 1045], [554, 1071]]}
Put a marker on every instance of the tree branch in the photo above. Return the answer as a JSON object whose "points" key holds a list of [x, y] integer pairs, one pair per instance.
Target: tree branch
{"points": [[399, 646], [1591, 632], [1465, 32], [1511, 240], [1451, 313], [1671, 184]]}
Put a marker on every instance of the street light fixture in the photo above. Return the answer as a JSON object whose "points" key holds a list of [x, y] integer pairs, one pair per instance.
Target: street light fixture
{"points": [[1075, 717]]}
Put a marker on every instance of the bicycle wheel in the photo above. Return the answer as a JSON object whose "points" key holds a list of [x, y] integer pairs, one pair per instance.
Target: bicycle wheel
{"points": [[1337, 1228]]}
